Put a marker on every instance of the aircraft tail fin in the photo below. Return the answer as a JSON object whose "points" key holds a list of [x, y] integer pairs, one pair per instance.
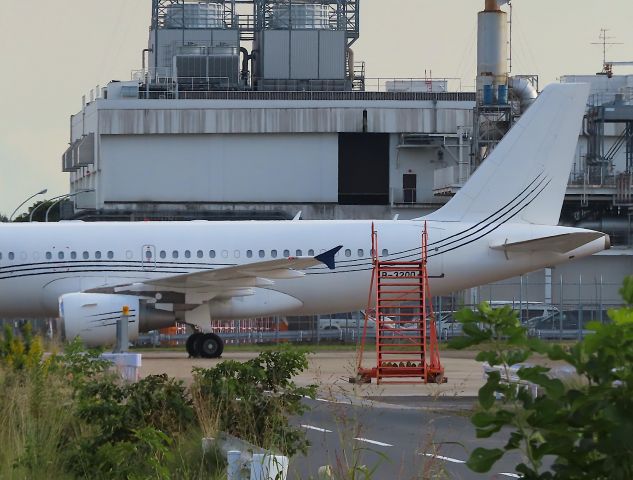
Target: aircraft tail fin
{"points": [[525, 177]]}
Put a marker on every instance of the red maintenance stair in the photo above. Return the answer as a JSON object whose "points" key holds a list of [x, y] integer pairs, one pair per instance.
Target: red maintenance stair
{"points": [[407, 349]]}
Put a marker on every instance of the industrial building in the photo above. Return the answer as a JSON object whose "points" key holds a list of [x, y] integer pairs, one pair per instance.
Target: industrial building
{"points": [[259, 109]]}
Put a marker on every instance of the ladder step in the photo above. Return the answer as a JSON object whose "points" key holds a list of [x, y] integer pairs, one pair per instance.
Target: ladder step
{"points": [[399, 299], [401, 329], [392, 292], [401, 352], [407, 365], [402, 337]]}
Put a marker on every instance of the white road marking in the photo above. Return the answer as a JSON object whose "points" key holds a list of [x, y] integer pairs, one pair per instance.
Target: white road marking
{"points": [[441, 457], [311, 427], [375, 442], [513, 475]]}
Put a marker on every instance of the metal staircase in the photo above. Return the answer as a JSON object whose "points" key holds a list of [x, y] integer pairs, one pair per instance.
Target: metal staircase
{"points": [[407, 348]]}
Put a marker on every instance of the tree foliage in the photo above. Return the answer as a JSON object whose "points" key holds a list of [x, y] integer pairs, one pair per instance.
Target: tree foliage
{"points": [[575, 430]]}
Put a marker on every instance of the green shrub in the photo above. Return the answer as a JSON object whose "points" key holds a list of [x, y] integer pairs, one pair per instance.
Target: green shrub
{"points": [[253, 400], [586, 426], [130, 418]]}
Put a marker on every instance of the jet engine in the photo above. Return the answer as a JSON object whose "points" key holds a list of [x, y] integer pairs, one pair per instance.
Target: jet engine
{"points": [[93, 317]]}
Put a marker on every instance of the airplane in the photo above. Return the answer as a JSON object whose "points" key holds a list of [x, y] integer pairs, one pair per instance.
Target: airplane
{"points": [[502, 223]]}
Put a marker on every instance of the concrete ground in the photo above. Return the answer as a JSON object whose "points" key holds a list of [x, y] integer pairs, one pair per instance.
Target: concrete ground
{"points": [[331, 371]]}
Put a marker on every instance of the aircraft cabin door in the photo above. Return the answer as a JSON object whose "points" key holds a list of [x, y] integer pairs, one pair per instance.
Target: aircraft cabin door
{"points": [[148, 259], [434, 252]]}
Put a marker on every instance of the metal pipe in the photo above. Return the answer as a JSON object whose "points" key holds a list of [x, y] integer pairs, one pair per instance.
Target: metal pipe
{"points": [[523, 89], [246, 57], [492, 6], [350, 63], [145, 50]]}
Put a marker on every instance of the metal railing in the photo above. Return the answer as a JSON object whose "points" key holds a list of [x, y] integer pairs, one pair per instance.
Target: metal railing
{"points": [[162, 85], [572, 305]]}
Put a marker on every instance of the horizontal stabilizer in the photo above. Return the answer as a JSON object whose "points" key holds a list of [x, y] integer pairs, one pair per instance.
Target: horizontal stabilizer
{"points": [[556, 243]]}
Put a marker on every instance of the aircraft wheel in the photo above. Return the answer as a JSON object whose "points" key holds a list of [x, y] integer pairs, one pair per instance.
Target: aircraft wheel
{"points": [[191, 345], [210, 346]]}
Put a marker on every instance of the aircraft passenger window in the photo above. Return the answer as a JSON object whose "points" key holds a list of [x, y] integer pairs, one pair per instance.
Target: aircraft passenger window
{"points": [[110, 254], [0, 255], [286, 253], [73, 255], [310, 253], [249, 253], [36, 255], [361, 252], [273, 253], [174, 254], [22, 255], [200, 254], [60, 255], [262, 254], [11, 255], [148, 254], [49, 255], [299, 253], [129, 255], [385, 252], [86, 255], [225, 254], [211, 253], [98, 255], [236, 254], [163, 254], [187, 254], [348, 253]]}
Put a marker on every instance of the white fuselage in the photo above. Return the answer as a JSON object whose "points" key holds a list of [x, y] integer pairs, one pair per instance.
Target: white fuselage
{"points": [[41, 262]]}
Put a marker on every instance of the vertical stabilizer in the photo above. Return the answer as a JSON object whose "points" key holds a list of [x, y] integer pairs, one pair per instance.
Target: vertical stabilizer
{"points": [[525, 177]]}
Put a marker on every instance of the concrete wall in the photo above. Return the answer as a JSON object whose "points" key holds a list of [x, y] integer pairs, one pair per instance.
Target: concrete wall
{"points": [[203, 117], [219, 168]]}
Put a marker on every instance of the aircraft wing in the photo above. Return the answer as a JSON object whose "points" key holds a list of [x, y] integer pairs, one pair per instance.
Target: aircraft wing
{"points": [[563, 243], [227, 281]]}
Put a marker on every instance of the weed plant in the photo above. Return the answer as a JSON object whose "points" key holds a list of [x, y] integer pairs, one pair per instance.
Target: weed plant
{"points": [[68, 416]]}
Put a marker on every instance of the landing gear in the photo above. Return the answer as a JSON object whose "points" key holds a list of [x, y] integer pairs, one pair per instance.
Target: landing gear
{"points": [[210, 346], [205, 345], [191, 345]]}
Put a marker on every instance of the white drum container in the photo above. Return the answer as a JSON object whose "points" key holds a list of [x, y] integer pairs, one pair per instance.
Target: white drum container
{"points": [[195, 15], [300, 16]]}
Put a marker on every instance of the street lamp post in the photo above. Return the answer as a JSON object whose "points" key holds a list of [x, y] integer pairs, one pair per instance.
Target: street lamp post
{"points": [[41, 192], [63, 197]]}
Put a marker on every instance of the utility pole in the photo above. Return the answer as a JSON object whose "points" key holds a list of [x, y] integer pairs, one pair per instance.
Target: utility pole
{"points": [[604, 41]]}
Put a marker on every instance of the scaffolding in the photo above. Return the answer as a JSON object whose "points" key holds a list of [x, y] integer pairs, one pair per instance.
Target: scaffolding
{"points": [[407, 349]]}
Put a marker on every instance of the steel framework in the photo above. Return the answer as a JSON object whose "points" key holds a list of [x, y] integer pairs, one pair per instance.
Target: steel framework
{"points": [[407, 349]]}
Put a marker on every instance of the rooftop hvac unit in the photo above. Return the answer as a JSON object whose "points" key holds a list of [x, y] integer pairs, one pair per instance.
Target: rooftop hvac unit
{"points": [[219, 70]]}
